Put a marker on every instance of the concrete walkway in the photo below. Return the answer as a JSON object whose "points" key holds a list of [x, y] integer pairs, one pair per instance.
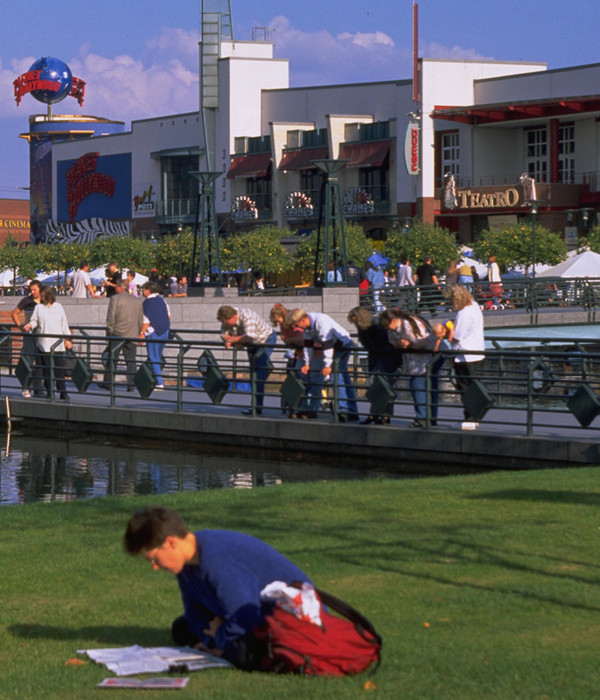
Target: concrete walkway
{"points": [[500, 442]]}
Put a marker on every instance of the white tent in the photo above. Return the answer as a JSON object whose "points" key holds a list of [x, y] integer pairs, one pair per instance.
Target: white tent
{"points": [[586, 264]]}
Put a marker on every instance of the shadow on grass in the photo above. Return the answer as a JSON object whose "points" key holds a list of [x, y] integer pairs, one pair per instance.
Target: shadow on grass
{"points": [[578, 498], [103, 634]]}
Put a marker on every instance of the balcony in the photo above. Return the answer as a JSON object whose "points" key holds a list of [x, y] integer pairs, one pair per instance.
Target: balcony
{"points": [[176, 211]]}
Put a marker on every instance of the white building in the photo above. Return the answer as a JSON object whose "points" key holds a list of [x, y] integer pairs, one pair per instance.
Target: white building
{"points": [[484, 122]]}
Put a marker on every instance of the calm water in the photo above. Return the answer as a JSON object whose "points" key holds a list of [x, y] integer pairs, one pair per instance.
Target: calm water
{"points": [[34, 468]]}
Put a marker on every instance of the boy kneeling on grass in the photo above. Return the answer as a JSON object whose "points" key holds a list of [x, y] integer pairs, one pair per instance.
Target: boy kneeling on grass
{"points": [[220, 575]]}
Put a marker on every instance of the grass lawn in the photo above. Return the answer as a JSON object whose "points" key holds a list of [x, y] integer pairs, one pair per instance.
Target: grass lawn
{"points": [[484, 586]]}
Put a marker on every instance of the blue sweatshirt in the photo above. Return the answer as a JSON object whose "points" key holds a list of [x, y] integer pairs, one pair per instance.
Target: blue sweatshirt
{"points": [[233, 569], [155, 310]]}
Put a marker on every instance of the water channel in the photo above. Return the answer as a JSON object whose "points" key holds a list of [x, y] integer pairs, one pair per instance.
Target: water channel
{"points": [[43, 468]]}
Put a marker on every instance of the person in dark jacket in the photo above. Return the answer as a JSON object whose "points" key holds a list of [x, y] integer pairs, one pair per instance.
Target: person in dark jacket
{"points": [[382, 357], [156, 328]]}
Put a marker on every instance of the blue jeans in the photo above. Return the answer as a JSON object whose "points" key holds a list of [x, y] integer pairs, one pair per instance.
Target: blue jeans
{"points": [[259, 355], [418, 389], [155, 353], [346, 391]]}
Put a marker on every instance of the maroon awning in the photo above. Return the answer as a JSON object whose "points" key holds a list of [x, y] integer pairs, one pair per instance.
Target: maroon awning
{"points": [[366, 155], [514, 111], [302, 158], [254, 165]]}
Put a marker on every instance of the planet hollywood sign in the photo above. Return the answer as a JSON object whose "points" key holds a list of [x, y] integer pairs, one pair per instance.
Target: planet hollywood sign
{"points": [[298, 206]]}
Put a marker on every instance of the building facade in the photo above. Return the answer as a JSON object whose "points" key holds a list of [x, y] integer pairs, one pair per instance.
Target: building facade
{"points": [[460, 154]]}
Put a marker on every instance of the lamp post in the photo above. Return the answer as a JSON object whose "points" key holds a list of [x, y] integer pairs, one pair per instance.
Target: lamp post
{"points": [[533, 209], [180, 231], [57, 262]]}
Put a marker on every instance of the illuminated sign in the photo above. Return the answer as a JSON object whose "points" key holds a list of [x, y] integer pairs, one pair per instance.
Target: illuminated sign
{"points": [[244, 209], [357, 202], [411, 149], [298, 206]]}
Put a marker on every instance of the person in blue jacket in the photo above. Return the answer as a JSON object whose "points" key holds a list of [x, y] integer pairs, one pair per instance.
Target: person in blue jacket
{"points": [[220, 575]]}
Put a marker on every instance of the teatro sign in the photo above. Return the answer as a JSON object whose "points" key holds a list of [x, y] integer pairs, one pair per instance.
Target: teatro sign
{"points": [[483, 198]]}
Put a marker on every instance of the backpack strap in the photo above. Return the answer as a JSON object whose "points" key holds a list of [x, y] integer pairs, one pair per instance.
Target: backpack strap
{"points": [[350, 613]]}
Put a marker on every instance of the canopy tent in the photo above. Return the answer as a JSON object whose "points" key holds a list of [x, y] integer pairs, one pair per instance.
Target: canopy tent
{"points": [[586, 264]]}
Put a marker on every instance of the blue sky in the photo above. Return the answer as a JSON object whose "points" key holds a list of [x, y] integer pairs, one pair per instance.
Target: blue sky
{"points": [[140, 57]]}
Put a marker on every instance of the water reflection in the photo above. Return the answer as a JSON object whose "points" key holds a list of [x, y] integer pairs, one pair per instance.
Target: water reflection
{"points": [[47, 469]]}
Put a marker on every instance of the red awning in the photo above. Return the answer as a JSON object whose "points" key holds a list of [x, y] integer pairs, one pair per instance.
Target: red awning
{"points": [[254, 165], [366, 155], [513, 111], [302, 158]]}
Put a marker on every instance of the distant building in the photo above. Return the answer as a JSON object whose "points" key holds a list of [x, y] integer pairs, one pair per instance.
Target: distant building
{"points": [[14, 221], [455, 156]]}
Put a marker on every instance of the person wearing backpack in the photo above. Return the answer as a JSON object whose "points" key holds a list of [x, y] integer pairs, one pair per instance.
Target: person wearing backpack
{"points": [[220, 573]]}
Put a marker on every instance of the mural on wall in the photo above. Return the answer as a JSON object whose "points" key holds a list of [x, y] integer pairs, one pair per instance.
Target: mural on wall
{"points": [[85, 231], [94, 186]]}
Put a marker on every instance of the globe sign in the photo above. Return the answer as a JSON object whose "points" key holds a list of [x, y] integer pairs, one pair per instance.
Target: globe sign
{"points": [[55, 80]]}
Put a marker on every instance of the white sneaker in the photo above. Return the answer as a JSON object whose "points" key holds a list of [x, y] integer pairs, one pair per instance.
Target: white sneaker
{"points": [[469, 425], [26, 394], [159, 386]]}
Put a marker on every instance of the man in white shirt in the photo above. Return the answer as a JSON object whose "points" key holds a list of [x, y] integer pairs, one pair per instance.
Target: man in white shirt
{"points": [[82, 285], [337, 344], [468, 335]]}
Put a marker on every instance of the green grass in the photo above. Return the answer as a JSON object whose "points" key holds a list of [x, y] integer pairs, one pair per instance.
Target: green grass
{"points": [[503, 567]]}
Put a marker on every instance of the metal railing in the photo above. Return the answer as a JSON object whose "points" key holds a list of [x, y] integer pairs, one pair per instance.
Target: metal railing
{"points": [[533, 296], [550, 390]]}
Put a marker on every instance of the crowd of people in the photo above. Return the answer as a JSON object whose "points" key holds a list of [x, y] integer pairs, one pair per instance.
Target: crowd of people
{"points": [[320, 350], [134, 317]]}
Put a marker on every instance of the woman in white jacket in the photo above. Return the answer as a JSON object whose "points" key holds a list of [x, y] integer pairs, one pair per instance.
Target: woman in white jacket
{"points": [[49, 320]]}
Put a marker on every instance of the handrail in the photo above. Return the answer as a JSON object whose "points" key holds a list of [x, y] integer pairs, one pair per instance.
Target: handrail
{"points": [[523, 391]]}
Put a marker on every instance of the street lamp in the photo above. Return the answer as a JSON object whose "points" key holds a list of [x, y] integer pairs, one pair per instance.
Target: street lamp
{"points": [[533, 208], [180, 231], [58, 262]]}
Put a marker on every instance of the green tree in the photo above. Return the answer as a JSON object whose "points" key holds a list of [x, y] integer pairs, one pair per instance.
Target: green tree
{"points": [[591, 241], [420, 240], [513, 245], [358, 248], [257, 249]]}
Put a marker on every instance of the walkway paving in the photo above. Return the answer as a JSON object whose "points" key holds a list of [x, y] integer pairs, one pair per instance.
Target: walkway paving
{"points": [[500, 442]]}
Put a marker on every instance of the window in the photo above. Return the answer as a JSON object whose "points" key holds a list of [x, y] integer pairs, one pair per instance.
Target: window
{"points": [[375, 182], [450, 154], [537, 154], [310, 183], [566, 154], [259, 190], [177, 181]]}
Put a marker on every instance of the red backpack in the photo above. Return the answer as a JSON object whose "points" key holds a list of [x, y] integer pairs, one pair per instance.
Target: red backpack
{"points": [[342, 646]]}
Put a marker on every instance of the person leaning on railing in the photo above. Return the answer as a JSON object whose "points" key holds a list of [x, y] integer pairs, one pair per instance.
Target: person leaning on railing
{"points": [[467, 334], [242, 327]]}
